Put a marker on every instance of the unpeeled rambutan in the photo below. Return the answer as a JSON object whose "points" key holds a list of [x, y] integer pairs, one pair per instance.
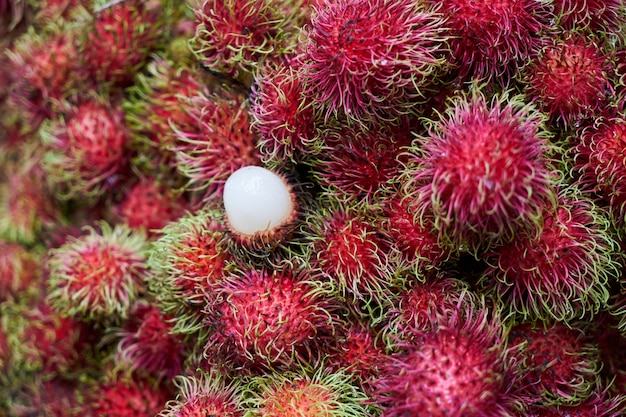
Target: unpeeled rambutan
{"points": [[85, 149], [568, 78], [363, 57], [489, 40], [596, 15], [599, 158], [188, 263], [557, 364], [305, 393], [269, 318], [462, 367], [600, 404], [482, 173], [563, 273], [97, 276], [20, 271], [205, 394]]}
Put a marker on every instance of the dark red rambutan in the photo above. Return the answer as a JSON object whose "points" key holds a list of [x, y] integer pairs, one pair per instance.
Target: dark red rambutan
{"points": [[568, 78], [563, 273], [596, 15], [416, 239], [357, 162], [462, 367], [599, 158], [489, 40], [205, 394], [97, 276], [86, 149], [223, 144], [149, 205], [304, 393], [234, 37], [557, 364], [119, 38], [147, 343], [282, 115], [188, 263], [344, 243], [116, 396], [600, 404], [20, 271], [58, 397], [269, 319], [363, 57], [482, 173], [154, 104]]}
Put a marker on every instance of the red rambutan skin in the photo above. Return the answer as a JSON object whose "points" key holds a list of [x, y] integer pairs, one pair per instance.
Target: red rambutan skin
{"points": [[149, 205], [56, 397], [557, 363], [356, 163], [363, 57], [592, 14], [97, 276], [600, 404], [224, 143], [85, 150], [568, 79], [489, 39], [564, 272], [482, 173], [460, 368], [282, 115], [19, 271], [270, 319], [118, 42], [147, 343], [599, 158]]}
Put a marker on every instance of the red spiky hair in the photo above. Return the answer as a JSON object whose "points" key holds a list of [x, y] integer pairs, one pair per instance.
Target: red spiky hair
{"points": [[363, 57], [595, 15]]}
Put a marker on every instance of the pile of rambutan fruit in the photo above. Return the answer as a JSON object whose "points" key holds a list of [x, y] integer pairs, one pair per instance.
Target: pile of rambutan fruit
{"points": [[428, 216]]}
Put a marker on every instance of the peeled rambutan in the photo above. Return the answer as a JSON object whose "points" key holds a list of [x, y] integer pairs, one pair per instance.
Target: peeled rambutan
{"points": [[596, 15], [97, 276], [86, 149], [119, 38], [598, 157], [269, 318], [482, 174], [305, 393], [568, 78], [563, 273], [149, 205], [282, 115], [489, 40], [557, 364], [188, 263], [344, 243], [357, 162], [234, 37], [462, 367], [223, 144], [363, 57], [205, 394]]}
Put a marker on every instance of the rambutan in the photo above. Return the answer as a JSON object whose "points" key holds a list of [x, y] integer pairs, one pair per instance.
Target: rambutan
{"points": [[364, 57], [563, 273], [97, 276], [462, 367], [595, 15], [557, 364], [188, 263], [223, 144], [344, 243], [598, 157], [58, 397], [86, 149], [490, 40], [600, 404], [20, 271], [119, 38], [304, 393], [482, 173], [205, 394], [234, 37], [269, 318], [568, 78], [282, 115]]}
